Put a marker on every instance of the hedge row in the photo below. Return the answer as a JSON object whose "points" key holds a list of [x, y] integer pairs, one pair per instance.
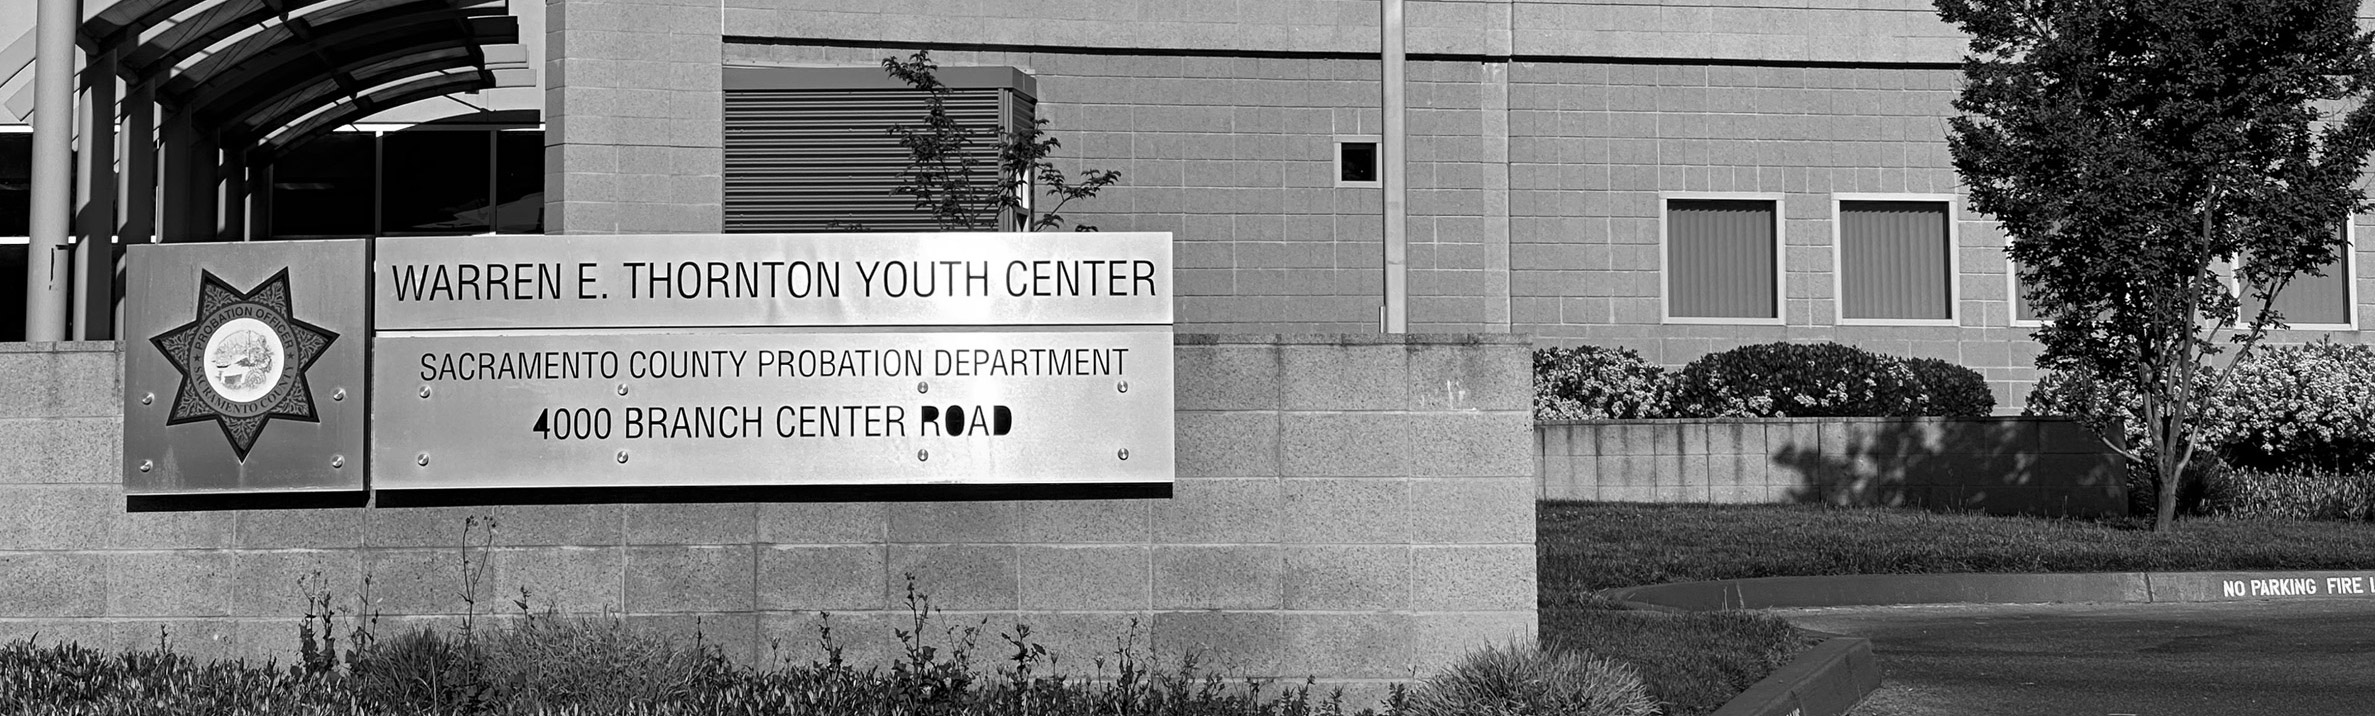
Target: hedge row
{"points": [[1768, 380], [2289, 432]]}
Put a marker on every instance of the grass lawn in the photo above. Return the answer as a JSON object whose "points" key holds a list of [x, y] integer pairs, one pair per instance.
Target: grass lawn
{"points": [[1589, 546], [1696, 662]]}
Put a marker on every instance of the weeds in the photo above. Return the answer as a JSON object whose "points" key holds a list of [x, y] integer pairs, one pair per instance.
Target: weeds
{"points": [[551, 663]]}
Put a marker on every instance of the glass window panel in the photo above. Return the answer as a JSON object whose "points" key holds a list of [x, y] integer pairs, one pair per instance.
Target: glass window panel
{"points": [[519, 182], [1893, 260], [1720, 259], [324, 187], [435, 182], [2312, 300], [16, 184], [2021, 310], [1357, 161], [12, 292]]}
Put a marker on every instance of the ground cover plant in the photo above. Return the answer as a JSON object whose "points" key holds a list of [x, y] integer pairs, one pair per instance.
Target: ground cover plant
{"points": [[1690, 663], [1591, 546]]}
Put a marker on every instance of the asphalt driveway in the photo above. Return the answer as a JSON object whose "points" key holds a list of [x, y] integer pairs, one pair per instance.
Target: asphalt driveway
{"points": [[2203, 659]]}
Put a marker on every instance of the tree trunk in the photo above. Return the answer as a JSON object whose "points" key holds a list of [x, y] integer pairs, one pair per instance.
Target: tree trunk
{"points": [[2165, 494]]}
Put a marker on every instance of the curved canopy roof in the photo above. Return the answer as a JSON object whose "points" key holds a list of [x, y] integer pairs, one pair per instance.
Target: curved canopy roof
{"points": [[257, 70]]}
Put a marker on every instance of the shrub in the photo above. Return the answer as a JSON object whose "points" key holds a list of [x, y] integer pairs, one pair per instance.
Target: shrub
{"points": [[1595, 383], [2098, 405], [1527, 680], [420, 670], [2302, 406], [2297, 493], [552, 660], [1947, 390], [1794, 380]]}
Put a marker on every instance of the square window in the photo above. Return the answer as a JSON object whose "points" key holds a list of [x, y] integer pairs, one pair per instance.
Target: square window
{"points": [[2311, 300], [1357, 162], [1895, 261], [1723, 260]]}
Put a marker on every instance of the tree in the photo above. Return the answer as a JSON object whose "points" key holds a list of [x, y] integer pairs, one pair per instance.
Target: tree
{"points": [[2143, 156], [945, 162]]}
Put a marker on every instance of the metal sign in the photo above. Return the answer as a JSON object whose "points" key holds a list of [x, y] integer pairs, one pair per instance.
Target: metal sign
{"points": [[649, 361], [243, 367], [705, 409], [772, 280]]}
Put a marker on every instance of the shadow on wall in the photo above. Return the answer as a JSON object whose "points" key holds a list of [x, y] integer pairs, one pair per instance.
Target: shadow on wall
{"points": [[1996, 465]]}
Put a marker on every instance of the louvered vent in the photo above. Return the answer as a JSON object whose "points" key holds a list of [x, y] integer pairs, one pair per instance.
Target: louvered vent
{"points": [[824, 159]]}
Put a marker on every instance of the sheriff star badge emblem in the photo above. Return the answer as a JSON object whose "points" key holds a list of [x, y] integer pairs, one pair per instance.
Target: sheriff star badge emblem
{"points": [[243, 360]]}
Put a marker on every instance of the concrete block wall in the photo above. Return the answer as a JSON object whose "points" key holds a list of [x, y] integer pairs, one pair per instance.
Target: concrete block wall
{"points": [[634, 131], [1232, 155], [1543, 135], [1999, 465], [1359, 508]]}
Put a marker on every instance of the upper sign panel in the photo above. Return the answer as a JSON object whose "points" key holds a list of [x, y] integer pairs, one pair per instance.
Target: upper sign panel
{"points": [[762, 280]]}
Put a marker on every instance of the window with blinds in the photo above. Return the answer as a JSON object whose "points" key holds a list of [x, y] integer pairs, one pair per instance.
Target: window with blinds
{"points": [[2307, 301], [2022, 311], [2314, 301], [810, 149], [1895, 261], [1722, 259]]}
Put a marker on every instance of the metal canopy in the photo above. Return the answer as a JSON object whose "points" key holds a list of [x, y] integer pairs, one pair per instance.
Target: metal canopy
{"points": [[244, 70], [374, 100]]}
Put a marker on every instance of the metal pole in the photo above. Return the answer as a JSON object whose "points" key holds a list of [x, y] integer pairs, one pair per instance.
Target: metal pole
{"points": [[47, 273], [1390, 152], [94, 255]]}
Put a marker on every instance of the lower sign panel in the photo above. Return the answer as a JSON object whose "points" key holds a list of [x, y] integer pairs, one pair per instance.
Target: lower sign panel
{"points": [[764, 409]]}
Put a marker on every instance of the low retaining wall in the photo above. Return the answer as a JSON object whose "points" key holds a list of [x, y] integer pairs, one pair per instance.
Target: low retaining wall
{"points": [[1356, 508], [1998, 465]]}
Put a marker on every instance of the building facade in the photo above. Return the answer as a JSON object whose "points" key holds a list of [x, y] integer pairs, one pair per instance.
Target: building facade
{"points": [[1672, 177]]}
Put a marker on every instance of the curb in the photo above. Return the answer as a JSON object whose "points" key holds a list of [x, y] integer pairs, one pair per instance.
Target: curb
{"points": [[1885, 589], [1834, 676], [1827, 680]]}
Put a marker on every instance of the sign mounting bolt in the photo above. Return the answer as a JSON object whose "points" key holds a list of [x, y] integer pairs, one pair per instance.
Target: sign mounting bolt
{"points": [[424, 392], [1122, 387], [922, 387], [622, 457], [147, 465], [622, 389], [1124, 453], [422, 461], [340, 395], [337, 461], [148, 398], [923, 455]]}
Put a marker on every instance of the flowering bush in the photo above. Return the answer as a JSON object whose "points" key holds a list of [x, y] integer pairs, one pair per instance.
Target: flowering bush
{"points": [[1948, 390], [1591, 382], [2303, 406], [1795, 380], [2297, 493], [2097, 404]]}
